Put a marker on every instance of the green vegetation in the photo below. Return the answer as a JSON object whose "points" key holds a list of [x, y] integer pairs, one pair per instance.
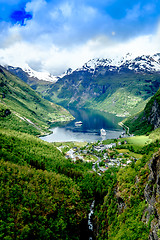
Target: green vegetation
{"points": [[46, 196], [36, 181], [120, 215], [27, 110], [137, 142], [122, 93], [147, 120], [121, 103], [38, 204]]}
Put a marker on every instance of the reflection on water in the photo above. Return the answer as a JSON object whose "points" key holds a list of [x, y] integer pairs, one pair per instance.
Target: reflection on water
{"points": [[92, 122]]}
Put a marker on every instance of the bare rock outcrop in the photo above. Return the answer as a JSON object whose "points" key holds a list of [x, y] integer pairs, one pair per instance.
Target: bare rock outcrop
{"points": [[152, 196]]}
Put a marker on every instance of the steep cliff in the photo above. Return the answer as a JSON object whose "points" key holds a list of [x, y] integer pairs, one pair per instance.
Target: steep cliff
{"points": [[147, 120], [131, 208], [152, 196]]}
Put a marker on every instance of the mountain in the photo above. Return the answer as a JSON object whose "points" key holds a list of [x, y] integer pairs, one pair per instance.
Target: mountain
{"points": [[139, 64], [28, 72], [38, 81], [121, 87], [148, 119], [22, 109], [46, 196]]}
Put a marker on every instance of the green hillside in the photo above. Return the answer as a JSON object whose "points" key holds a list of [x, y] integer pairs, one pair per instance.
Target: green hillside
{"points": [[25, 110], [36, 202], [148, 119], [121, 93], [46, 196]]}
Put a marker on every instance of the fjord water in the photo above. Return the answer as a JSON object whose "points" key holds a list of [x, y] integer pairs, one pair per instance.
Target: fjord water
{"points": [[92, 122]]}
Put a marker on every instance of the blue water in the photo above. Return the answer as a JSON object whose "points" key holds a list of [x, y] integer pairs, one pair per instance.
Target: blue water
{"points": [[92, 122]]}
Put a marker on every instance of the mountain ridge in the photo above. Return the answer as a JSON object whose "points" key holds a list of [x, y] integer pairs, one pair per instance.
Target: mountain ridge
{"points": [[121, 89], [121, 86], [148, 63]]}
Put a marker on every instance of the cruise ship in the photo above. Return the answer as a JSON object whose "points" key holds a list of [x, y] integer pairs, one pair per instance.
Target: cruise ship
{"points": [[103, 132], [78, 123]]}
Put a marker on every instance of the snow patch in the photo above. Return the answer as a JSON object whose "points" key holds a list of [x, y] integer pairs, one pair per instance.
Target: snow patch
{"points": [[142, 63], [45, 76]]}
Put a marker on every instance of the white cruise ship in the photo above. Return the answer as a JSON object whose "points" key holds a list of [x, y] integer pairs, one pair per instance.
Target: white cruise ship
{"points": [[103, 132]]}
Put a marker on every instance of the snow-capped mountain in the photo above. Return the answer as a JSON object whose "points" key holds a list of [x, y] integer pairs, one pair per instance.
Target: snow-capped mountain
{"points": [[145, 63], [43, 76], [120, 86]]}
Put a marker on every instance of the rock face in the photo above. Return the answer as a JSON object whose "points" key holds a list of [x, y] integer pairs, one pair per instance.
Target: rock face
{"points": [[152, 196], [154, 117]]}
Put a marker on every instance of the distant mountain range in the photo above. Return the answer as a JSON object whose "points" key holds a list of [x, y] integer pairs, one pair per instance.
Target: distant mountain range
{"points": [[139, 64], [119, 86]]}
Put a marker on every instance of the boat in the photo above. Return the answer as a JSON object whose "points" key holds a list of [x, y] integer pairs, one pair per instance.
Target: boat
{"points": [[79, 123], [103, 132]]}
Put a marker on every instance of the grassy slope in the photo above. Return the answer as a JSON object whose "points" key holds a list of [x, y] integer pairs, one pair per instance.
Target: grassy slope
{"points": [[122, 103], [24, 103]]}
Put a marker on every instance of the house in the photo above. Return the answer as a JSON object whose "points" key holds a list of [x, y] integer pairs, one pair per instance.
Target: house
{"points": [[111, 145], [97, 148], [129, 161], [70, 154]]}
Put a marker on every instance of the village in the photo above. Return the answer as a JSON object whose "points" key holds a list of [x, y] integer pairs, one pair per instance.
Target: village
{"points": [[102, 155]]}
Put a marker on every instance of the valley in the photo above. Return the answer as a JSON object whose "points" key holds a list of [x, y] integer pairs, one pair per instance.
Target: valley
{"points": [[79, 120], [119, 86], [89, 130], [105, 188]]}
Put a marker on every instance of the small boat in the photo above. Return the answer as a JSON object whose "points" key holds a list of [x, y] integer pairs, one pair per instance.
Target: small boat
{"points": [[103, 132], [78, 123]]}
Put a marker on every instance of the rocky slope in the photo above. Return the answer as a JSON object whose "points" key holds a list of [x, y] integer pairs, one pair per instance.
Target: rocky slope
{"points": [[152, 196]]}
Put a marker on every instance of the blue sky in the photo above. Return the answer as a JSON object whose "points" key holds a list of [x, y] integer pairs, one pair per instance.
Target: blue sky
{"points": [[54, 35]]}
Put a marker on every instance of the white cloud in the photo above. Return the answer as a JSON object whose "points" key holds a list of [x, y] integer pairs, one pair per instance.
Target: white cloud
{"points": [[55, 47], [35, 5]]}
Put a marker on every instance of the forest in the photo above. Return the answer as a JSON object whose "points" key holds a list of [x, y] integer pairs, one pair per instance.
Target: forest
{"points": [[45, 196]]}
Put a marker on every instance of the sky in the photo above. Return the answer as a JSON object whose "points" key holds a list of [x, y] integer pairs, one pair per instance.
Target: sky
{"points": [[54, 35]]}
